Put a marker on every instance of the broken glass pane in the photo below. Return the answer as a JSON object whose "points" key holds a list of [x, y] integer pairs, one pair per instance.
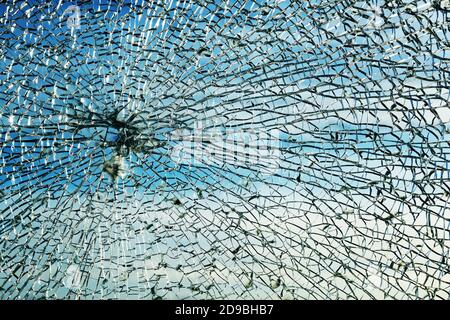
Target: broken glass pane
{"points": [[210, 149]]}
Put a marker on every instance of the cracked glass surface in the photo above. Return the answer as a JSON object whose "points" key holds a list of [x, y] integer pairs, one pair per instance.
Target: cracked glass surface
{"points": [[224, 149]]}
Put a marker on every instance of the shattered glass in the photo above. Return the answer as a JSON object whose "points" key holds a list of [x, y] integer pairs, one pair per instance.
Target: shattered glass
{"points": [[224, 149]]}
